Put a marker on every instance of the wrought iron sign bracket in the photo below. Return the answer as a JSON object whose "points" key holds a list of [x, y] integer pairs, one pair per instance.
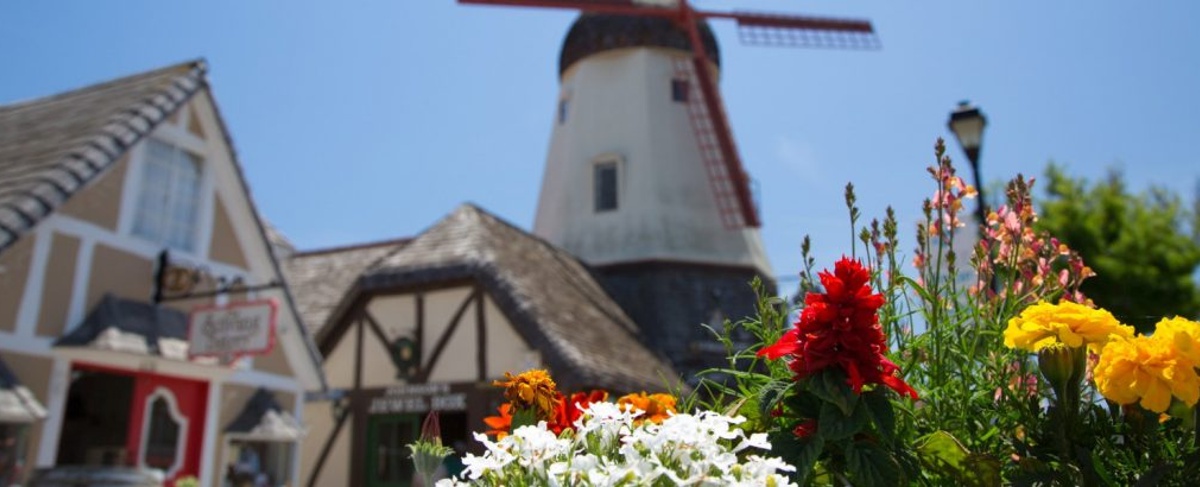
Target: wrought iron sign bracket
{"points": [[177, 282]]}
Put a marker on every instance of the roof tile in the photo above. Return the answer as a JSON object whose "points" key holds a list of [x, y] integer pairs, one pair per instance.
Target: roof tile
{"points": [[52, 147]]}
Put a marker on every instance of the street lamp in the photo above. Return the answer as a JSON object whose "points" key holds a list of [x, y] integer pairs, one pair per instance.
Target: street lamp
{"points": [[967, 123]]}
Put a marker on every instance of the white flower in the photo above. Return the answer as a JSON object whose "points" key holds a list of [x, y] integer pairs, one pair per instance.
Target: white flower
{"points": [[609, 449], [756, 440]]}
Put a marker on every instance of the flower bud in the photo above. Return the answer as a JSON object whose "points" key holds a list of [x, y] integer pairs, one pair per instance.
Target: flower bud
{"points": [[427, 452], [1063, 367]]}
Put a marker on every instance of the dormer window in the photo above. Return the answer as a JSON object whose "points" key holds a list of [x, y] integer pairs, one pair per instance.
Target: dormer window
{"points": [[168, 206]]}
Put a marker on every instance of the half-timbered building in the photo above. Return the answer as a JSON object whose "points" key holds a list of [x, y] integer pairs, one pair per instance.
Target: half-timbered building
{"points": [[123, 214], [414, 325]]}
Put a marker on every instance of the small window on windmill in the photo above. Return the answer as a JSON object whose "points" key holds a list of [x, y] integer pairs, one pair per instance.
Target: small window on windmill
{"points": [[562, 110], [679, 90], [605, 177]]}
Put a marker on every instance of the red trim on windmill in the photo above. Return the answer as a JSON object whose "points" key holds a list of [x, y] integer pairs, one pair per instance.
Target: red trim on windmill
{"points": [[727, 177]]}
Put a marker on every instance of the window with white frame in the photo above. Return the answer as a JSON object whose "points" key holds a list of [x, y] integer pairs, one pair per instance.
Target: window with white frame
{"points": [[168, 208]]}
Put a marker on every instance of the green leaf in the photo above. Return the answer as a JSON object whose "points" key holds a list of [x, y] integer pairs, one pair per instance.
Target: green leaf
{"points": [[835, 426], [941, 452], [871, 465], [770, 395], [982, 470], [830, 385], [523, 417], [879, 408], [1093, 462], [800, 452], [804, 404]]}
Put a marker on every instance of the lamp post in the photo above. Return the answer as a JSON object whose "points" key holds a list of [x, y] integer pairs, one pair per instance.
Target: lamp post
{"points": [[967, 123]]}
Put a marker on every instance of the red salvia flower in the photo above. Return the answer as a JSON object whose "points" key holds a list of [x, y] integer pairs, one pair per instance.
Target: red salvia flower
{"points": [[840, 328], [805, 429]]}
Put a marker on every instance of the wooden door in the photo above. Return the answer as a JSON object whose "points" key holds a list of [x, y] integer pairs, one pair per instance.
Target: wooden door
{"points": [[388, 462]]}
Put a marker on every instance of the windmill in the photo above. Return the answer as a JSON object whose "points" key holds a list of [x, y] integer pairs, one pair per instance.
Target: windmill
{"points": [[670, 224], [729, 182]]}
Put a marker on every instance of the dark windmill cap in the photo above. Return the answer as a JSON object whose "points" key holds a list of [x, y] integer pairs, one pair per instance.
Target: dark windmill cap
{"points": [[595, 33]]}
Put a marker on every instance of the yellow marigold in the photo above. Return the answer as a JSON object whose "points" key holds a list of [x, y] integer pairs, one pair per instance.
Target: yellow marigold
{"points": [[657, 406], [1182, 334], [1146, 370], [531, 389], [1070, 324]]}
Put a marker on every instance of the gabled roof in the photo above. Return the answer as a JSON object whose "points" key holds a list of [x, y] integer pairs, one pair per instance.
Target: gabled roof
{"points": [[550, 296], [320, 279], [52, 147]]}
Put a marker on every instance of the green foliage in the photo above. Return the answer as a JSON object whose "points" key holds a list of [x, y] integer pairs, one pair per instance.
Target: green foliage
{"points": [[847, 437], [941, 452], [988, 414], [1138, 245]]}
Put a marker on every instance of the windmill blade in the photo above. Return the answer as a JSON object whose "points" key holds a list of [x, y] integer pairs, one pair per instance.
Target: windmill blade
{"points": [[762, 29], [728, 181], [620, 7]]}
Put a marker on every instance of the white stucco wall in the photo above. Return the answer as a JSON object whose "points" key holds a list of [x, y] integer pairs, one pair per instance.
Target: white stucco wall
{"points": [[396, 316], [339, 365], [619, 103], [507, 352]]}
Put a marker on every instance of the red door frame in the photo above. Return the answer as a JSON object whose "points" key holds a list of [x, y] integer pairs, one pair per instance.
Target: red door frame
{"points": [[191, 399]]}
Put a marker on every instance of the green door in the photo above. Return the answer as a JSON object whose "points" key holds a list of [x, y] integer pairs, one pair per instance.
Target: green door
{"points": [[388, 436]]}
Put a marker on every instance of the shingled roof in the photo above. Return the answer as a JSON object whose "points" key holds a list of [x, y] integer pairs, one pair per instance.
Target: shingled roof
{"points": [[320, 279], [52, 147], [550, 296]]}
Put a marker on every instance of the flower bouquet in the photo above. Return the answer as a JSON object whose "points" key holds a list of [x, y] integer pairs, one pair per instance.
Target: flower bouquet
{"points": [[546, 438]]}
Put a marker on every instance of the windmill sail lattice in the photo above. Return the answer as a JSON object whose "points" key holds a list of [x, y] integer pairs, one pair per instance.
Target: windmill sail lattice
{"points": [[763, 29]]}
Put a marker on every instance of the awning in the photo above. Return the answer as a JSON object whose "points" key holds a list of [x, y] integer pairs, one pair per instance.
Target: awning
{"points": [[134, 327], [17, 404], [263, 419]]}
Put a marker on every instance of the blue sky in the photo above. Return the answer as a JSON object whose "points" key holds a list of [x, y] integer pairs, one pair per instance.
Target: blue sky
{"points": [[372, 120]]}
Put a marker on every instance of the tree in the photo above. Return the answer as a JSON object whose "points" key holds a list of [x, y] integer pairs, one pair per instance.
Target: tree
{"points": [[1144, 256]]}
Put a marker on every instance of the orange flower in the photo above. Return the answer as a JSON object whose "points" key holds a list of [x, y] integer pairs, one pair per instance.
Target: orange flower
{"points": [[532, 389], [656, 406], [501, 424]]}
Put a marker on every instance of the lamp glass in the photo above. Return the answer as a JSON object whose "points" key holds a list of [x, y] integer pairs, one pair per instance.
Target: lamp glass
{"points": [[968, 128]]}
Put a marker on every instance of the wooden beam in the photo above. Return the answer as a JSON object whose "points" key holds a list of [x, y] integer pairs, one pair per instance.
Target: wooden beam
{"points": [[358, 352], [420, 321], [445, 338], [480, 334], [376, 329]]}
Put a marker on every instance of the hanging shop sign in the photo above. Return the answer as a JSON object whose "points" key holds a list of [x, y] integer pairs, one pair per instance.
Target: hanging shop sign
{"points": [[244, 328], [418, 398]]}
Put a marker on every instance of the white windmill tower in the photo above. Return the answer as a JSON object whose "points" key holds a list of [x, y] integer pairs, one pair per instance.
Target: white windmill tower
{"points": [[643, 180]]}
